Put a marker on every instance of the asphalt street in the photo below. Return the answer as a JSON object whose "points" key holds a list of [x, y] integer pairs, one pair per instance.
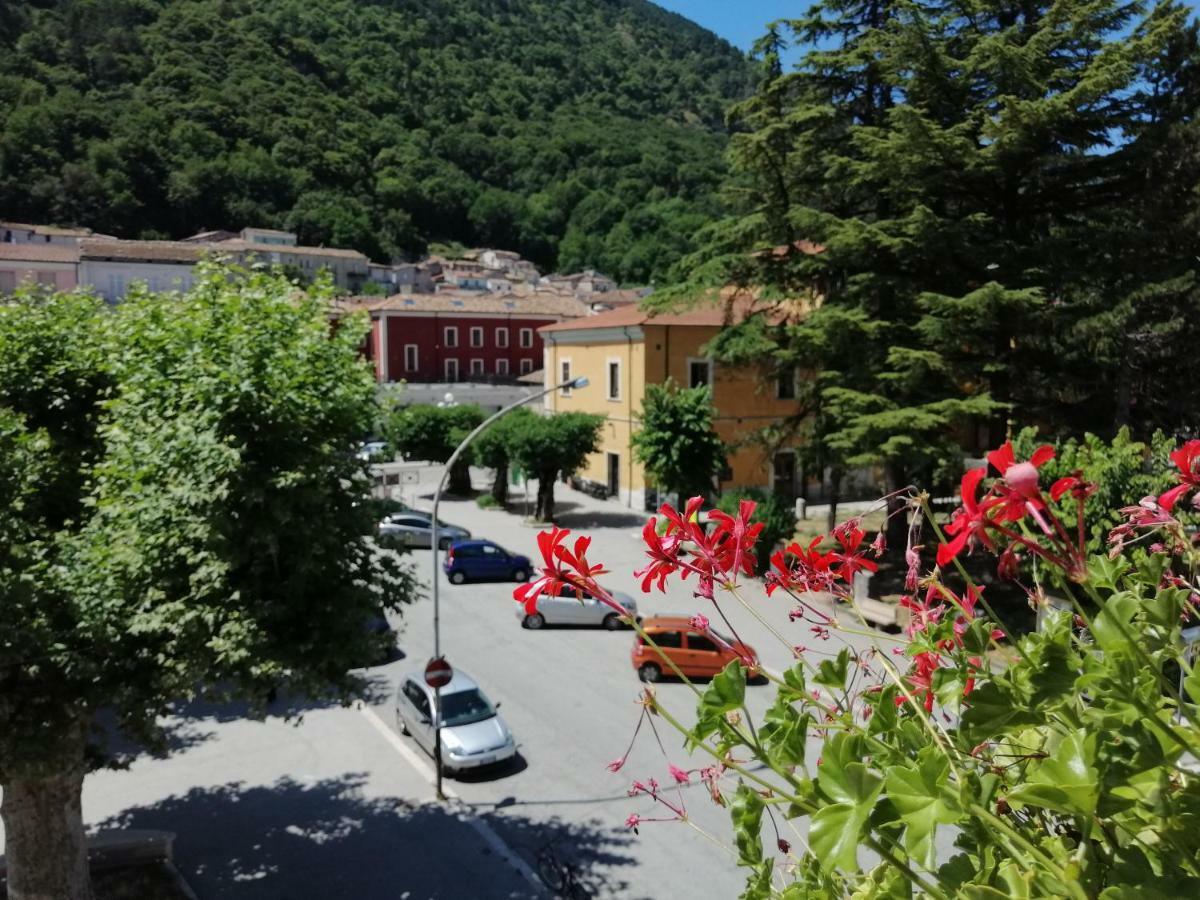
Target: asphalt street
{"points": [[571, 695]]}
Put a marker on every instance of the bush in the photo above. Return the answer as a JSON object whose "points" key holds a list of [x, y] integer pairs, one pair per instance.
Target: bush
{"points": [[486, 501]]}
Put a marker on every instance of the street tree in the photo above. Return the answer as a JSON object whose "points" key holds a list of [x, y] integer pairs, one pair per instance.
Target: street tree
{"points": [[676, 442], [433, 433], [550, 447], [493, 450], [181, 514]]}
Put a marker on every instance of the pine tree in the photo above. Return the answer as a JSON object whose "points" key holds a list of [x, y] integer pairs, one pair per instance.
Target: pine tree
{"points": [[960, 167]]}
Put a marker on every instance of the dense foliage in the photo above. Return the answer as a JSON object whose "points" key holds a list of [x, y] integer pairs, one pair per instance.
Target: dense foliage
{"points": [[935, 764], [432, 434], [676, 442], [578, 132], [551, 447], [996, 203], [182, 512]]}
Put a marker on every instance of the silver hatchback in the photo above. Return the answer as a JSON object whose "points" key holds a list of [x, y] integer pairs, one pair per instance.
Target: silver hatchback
{"points": [[576, 609], [413, 528], [473, 734]]}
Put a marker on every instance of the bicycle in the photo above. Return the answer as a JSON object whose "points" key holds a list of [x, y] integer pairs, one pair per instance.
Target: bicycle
{"points": [[560, 877]]}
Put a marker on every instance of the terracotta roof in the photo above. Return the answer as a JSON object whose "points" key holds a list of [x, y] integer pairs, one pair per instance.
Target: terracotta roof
{"points": [[552, 306], [251, 247], [57, 253], [702, 315], [146, 251], [48, 229]]}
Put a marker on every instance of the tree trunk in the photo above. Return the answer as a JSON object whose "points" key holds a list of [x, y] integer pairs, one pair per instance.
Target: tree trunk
{"points": [[460, 478], [500, 485], [45, 847], [545, 497]]}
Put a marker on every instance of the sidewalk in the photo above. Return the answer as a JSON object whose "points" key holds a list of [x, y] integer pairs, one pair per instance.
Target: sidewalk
{"points": [[321, 808]]}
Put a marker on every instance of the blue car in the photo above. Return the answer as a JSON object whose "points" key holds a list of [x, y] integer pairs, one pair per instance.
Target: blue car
{"points": [[484, 561]]}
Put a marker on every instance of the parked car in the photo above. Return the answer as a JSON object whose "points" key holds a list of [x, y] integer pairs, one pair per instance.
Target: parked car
{"points": [[473, 734], [412, 528], [484, 561], [575, 609], [694, 652], [374, 451]]}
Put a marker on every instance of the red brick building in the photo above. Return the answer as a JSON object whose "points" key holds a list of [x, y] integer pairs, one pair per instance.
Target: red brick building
{"points": [[460, 335]]}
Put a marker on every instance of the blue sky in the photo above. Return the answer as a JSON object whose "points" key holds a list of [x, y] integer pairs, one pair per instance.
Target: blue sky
{"points": [[740, 22]]}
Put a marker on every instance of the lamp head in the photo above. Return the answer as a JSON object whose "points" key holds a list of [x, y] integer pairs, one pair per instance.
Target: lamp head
{"points": [[580, 382]]}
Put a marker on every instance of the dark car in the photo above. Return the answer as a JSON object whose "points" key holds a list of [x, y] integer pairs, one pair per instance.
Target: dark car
{"points": [[484, 561]]}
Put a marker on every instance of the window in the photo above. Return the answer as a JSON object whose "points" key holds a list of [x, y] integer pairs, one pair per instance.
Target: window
{"points": [[614, 379], [526, 366], [701, 643], [785, 386], [668, 639], [418, 698], [699, 372], [451, 370], [490, 552], [476, 336], [8, 283], [476, 367], [501, 337], [565, 376], [502, 367], [526, 337], [411, 357], [450, 336]]}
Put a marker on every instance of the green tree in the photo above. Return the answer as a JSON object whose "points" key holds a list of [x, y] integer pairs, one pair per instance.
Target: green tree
{"points": [[493, 449], [952, 169], [550, 447], [676, 442], [433, 433], [181, 511]]}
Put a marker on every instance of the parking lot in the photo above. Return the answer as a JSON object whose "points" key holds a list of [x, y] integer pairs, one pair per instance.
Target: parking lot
{"points": [[570, 696]]}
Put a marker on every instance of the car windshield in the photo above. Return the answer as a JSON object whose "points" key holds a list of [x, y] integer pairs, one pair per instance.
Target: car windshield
{"points": [[465, 707]]}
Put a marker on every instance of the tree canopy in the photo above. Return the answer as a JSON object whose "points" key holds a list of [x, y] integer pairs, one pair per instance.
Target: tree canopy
{"points": [[549, 447], [676, 442], [580, 133], [182, 512], [432, 433], [993, 206]]}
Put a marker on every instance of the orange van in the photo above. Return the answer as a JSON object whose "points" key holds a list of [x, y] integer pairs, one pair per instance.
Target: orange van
{"points": [[694, 652]]}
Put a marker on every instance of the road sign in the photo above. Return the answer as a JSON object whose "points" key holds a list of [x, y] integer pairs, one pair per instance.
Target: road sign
{"points": [[438, 673]]}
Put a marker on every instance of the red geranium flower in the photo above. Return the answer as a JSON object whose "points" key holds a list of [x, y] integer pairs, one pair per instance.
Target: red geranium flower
{"points": [[848, 560], [971, 520], [808, 570], [1187, 458], [733, 540], [553, 578]]}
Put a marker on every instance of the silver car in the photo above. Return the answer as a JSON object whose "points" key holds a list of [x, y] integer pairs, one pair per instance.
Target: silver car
{"points": [[415, 529], [574, 609], [473, 734]]}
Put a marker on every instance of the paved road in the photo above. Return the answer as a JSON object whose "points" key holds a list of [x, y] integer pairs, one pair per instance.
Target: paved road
{"points": [[570, 697]]}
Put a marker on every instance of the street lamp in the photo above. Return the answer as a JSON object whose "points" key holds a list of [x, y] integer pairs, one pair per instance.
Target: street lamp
{"points": [[576, 383]]}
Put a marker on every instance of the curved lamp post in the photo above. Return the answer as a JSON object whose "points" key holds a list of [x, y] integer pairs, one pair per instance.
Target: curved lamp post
{"points": [[580, 382]]}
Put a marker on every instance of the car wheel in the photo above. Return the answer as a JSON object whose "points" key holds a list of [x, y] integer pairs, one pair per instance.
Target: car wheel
{"points": [[612, 621], [520, 575], [649, 672], [457, 577], [534, 622]]}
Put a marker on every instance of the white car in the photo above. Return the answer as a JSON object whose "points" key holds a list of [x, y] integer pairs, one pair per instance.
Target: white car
{"points": [[573, 609], [473, 734]]}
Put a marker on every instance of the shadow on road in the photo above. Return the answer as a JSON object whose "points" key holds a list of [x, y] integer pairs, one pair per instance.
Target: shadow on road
{"points": [[592, 518], [328, 838]]}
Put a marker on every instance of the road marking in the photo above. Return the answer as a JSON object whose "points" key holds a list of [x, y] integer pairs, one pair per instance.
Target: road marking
{"points": [[425, 770]]}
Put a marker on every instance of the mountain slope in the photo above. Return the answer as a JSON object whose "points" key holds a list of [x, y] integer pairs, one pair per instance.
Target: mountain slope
{"points": [[579, 132]]}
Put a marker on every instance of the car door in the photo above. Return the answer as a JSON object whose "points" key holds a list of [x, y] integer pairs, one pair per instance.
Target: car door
{"points": [[421, 725], [495, 562], [670, 645], [704, 654]]}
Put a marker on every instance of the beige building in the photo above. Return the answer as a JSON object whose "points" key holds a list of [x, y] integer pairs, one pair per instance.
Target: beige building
{"points": [[54, 265], [626, 349]]}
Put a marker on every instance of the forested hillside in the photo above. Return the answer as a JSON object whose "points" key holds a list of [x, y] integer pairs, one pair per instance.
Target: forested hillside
{"points": [[578, 132]]}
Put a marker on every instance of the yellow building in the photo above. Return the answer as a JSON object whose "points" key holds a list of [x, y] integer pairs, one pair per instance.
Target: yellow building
{"points": [[624, 350]]}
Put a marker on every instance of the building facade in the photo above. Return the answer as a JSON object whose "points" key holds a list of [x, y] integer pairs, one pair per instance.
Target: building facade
{"points": [[451, 337], [623, 351], [55, 266]]}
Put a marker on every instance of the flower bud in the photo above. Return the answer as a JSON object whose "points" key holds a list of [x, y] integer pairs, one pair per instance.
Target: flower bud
{"points": [[1023, 478]]}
